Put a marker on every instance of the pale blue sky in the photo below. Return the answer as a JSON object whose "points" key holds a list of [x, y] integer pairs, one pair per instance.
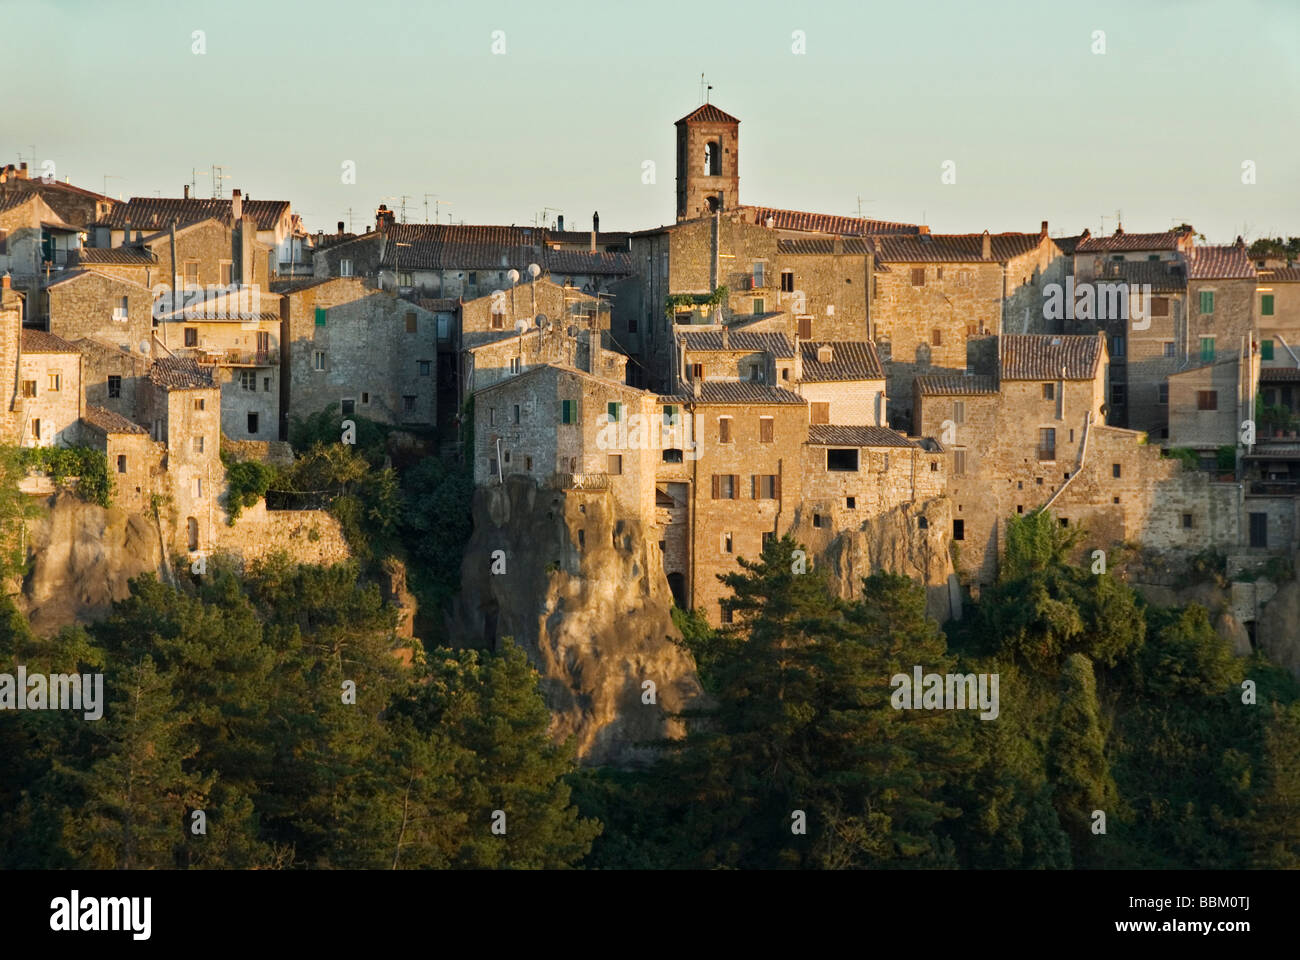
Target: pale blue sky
{"points": [[1039, 127]]}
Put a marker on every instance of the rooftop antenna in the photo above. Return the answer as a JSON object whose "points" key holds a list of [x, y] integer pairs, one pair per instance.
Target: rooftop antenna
{"points": [[404, 197], [108, 177], [195, 173], [860, 205], [704, 89], [218, 174], [543, 215]]}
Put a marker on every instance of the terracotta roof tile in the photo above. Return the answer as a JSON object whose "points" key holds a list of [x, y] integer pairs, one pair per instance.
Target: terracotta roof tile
{"points": [[832, 435], [38, 341], [1120, 242], [180, 373], [734, 392], [1164, 276], [739, 341], [707, 113], [850, 360], [802, 221], [1279, 275], [955, 385], [955, 248], [110, 422], [1228, 262], [1044, 356], [856, 246], [157, 213], [126, 255]]}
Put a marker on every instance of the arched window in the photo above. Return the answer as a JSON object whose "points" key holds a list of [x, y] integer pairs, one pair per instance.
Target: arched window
{"points": [[192, 529], [712, 159], [714, 203]]}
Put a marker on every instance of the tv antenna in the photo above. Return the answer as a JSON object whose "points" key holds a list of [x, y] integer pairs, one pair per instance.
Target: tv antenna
{"points": [[704, 89]]}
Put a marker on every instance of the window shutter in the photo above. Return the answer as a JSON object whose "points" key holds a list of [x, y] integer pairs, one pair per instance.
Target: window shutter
{"points": [[717, 486], [753, 486], [735, 486], [776, 486], [320, 316]]}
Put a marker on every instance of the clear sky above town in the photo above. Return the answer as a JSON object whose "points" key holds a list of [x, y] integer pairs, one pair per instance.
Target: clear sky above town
{"points": [[1037, 125]]}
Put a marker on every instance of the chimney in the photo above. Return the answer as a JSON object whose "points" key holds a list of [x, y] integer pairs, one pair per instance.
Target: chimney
{"points": [[22, 170], [695, 388], [236, 204], [340, 228], [1043, 231], [6, 281], [126, 236], [798, 360], [726, 340], [187, 191], [559, 223], [986, 247], [595, 228]]}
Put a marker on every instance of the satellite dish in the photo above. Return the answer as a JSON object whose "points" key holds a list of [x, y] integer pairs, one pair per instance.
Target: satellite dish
{"points": [[144, 347], [534, 270], [573, 330], [522, 324], [513, 275], [542, 322]]}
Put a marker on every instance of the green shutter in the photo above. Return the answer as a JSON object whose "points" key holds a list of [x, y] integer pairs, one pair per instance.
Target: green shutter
{"points": [[566, 415], [320, 316], [614, 411], [1266, 305], [1207, 301], [1207, 348], [1266, 349]]}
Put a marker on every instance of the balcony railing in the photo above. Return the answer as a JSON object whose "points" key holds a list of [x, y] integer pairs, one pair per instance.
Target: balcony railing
{"points": [[239, 358], [580, 481]]}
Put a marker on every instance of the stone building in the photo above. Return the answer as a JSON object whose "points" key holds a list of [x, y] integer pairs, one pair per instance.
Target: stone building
{"points": [[71, 204], [49, 386], [11, 325], [35, 243], [843, 382], [134, 459], [113, 309], [357, 350], [111, 375]]}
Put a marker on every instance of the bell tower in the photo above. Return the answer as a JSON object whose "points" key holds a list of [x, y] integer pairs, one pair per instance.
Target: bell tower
{"points": [[708, 162]]}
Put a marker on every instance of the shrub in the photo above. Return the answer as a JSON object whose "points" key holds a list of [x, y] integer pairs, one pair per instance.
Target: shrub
{"points": [[94, 484]]}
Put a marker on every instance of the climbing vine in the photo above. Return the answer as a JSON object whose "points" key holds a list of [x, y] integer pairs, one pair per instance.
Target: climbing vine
{"points": [[90, 466], [675, 301]]}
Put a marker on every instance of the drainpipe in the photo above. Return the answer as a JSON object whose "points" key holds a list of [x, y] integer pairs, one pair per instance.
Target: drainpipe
{"points": [[1083, 456]]}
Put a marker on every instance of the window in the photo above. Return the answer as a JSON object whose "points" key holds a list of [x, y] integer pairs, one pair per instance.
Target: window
{"points": [[1162, 393], [958, 529], [758, 275], [318, 359], [492, 416], [672, 455], [766, 429], [724, 614], [764, 486], [1049, 391], [29, 388], [516, 413], [805, 328], [36, 428], [120, 312], [412, 325], [252, 423], [724, 429], [632, 323], [758, 305], [918, 276], [225, 268], [1168, 349], [787, 281], [516, 365], [1207, 349], [1187, 521], [408, 404], [425, 367], [444, 327], [615, 468], [345, 267], [200, 403], [1118, 395], [191, 273], [1117, 345], [1159, 306], [818, 520], [712, 159], [1259, 530], [1266, 349], [473, 278], [56, 380], [320, 316], [725, 486], [697, 371], [498, 320], [726, 542], [842, 461], [197, 486], [1116, 470], [191, 336], [923, 523], [121, 463], [566, 411], [821, 412], [528, 464], [114, 386], [1266, 305], [348, 406], [247, 380], [938, 273], [614, 411], [850, 503], [670, 415], [959, 462], [1207, 400], [1047, 443], [266, 384], [936, 337], [1207, 301]]}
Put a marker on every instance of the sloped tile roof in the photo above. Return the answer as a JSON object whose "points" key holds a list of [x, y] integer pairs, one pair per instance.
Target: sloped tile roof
{"points": [[955, 385], [576, 261], [603, 238], [125, 255], [832, 435], [955, 247], [180, 373], [850, 360], [734, 392], [1279, 275], [1228, 262], [804, 222], [1278, 374], [739, 341], [1164, 276], [822, 245], [1120, 242], [434, 246], [1044, 356], [38, 341], [157, 213], [110, 422], [707, 113], [1069, 245]]}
